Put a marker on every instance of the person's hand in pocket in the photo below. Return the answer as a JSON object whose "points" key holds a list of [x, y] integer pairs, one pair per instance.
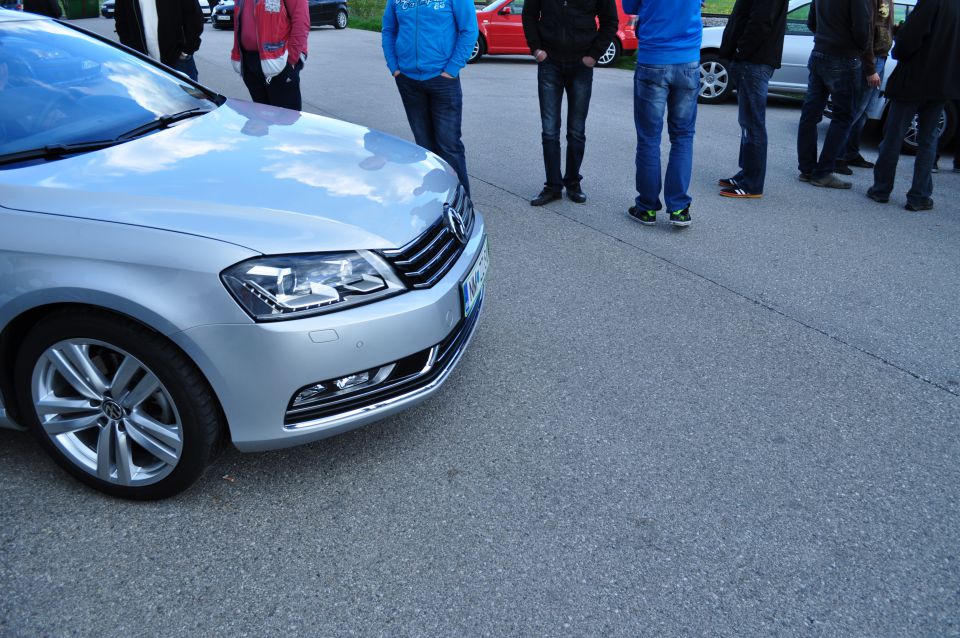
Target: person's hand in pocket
{"points": [[446, 75], [589, 62]]}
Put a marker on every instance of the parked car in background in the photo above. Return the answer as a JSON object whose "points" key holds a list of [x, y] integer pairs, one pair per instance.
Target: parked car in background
{"points": [[328, 276], [791, 79], [12, 5], [107, 8], [501, 33], [335, 13]]}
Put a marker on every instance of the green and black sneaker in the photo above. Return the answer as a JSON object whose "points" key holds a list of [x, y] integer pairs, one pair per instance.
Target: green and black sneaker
{"points": [[680, 217], [645, 217]]}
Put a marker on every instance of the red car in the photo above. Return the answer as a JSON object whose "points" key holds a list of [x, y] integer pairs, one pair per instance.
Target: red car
{"points": [[501, 33]]}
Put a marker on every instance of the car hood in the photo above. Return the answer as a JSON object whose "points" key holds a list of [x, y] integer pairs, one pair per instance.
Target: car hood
{"points": [[268, 179]]}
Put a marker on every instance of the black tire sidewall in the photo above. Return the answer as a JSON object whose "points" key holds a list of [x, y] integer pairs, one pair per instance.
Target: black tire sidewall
{"points": [[193, 399]]}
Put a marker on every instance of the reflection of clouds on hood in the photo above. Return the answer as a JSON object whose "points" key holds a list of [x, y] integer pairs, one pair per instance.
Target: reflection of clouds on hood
{"points": [[159, 152], [340, 180], [143, 89]]}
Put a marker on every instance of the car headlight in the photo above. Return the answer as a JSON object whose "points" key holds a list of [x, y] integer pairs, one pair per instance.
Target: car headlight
{"points": [[294, 286]]}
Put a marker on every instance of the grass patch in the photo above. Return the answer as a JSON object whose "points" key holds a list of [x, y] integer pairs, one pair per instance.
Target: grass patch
{"points": [[719, 7], [367, 14]]}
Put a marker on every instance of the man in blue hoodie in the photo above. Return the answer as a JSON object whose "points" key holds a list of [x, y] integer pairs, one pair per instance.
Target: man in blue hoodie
{"points": [[426, 43], [667, 78]]}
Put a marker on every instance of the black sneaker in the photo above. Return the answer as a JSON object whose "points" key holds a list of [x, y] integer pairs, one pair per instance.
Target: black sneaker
{"points": [[926, 204], [645, 217], [680, 217], [877, 197], [840, 167], [860, 162], [729, 182], [546, 196], [805, 177]]}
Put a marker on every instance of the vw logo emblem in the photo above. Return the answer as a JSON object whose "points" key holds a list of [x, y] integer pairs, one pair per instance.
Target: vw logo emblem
{"points": [[112, 410], [455, 223]]}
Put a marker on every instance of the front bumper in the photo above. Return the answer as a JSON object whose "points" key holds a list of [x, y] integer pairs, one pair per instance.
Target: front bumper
{"points": [[256, 369]]}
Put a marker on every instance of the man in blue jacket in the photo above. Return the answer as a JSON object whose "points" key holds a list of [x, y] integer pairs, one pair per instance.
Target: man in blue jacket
{"points": [[667, 78], [426, 43]]}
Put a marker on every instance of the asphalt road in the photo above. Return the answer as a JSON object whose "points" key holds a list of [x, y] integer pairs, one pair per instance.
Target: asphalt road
{"points": [[747, 428]]}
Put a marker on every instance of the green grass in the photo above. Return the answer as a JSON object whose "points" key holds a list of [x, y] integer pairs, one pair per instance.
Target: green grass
{"points": [[366, 14], [722, 7]]}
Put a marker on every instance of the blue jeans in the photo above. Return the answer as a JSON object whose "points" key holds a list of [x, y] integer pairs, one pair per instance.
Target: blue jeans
{"points": [[867, 98], [830, 76], [435, 111], [553, 79], [188, 67], [752, 80], [672, 87], [899, 116]]}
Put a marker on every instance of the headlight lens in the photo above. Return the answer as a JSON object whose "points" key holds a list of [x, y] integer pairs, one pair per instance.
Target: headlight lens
{"points": [[272, 288]]}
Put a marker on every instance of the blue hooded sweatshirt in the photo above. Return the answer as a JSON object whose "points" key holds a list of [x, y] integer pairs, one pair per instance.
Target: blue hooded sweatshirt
{"points": [[423, 38], [668, 31]]}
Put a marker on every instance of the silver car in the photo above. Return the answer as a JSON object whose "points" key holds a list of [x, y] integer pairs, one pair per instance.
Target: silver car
{"points": [[324, 276], [791, 78]]}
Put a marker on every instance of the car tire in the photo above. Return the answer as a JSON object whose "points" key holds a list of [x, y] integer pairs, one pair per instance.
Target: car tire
{"points": [[948, 128], [342, 19], [148, 438], [612, 55], [716, 85], [479, 49]]}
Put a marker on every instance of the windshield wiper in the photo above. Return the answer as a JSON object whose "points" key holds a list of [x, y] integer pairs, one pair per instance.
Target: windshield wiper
{"points": [[55, 151], [162, 122]]}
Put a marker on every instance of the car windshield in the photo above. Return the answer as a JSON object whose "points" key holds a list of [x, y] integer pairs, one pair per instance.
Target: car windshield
{"points": [[60, 87]]}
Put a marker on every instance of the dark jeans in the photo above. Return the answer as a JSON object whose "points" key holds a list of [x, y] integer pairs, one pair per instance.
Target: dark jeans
{"points": [[188, 67], [283, 89], [830, 77], [435, 111], [899, 116], [867, 97], [752, 81], [553, 79], [672, 87]]}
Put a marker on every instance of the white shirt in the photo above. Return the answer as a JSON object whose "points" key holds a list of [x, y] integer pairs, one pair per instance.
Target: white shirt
{"points": [[148, 12]]}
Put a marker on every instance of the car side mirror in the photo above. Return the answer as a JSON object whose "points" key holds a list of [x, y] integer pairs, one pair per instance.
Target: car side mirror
{"points": [[506, 11]]}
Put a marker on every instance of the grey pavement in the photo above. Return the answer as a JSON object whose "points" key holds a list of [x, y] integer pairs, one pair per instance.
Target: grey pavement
{"points": [[747, 428]]}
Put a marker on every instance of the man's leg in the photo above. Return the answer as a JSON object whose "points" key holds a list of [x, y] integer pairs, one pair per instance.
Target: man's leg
{"points": [[851, 152], [188, 67], [446, 111], [416, 103], [578, 82], [843, 78], [252, 75], [550, 91], [649, 101], [899, 116], [810, 115], [284, 88], [928, 121], [684, 82], [752, 84]]}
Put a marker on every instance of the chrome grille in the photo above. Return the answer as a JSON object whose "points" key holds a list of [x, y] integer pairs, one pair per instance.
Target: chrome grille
{"points": [[426, 259]]}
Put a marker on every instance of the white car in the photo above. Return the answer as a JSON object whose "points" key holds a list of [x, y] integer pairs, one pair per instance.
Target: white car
{"points": [[791, 78]]}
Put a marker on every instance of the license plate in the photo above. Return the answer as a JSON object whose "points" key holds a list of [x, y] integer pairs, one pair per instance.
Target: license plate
{"points": [[472, 286], [223, 18]]}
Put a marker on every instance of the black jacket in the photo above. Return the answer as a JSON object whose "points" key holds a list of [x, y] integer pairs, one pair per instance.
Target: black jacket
{"points": [[754, 32], [179, 25], [927, 50], [841, 27], [49, 8], [567, 29]]}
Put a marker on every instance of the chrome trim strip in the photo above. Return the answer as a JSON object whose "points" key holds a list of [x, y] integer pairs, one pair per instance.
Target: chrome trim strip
{"points": [[332, 421], [433, 260], [423, 253]]}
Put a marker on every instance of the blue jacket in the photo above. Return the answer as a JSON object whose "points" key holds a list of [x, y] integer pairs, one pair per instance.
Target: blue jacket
{"points": [[423, 38], [668, 31]]}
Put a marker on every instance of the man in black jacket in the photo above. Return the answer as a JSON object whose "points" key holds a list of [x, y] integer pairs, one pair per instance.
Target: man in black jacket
{"points": [[842, 32], [564, 38], [50, 8], [166, 30], [753, 40], [927, 51]]}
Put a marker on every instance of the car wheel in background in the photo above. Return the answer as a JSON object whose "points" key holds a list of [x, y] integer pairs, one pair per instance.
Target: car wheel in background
{"points": [[947, 128], [479, 48], [116, 405], [341, 22], [715, 81], [611, 55]]}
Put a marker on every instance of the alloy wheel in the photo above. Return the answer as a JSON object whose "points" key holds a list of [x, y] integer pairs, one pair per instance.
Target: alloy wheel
{"points": [[609, 55], [341, 20], [107, 412], [714, 79]]}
